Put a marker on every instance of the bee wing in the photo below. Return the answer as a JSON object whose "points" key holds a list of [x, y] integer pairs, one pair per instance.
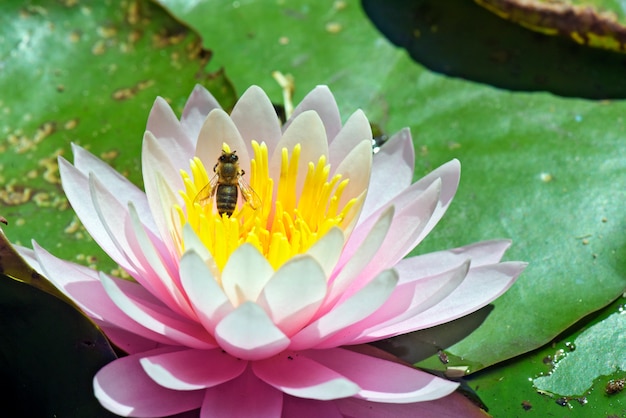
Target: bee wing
{"points": [[207, 193], [248, 194]]}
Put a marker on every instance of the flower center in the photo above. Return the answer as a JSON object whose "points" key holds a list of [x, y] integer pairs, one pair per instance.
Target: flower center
{"points": [[279, 221]]}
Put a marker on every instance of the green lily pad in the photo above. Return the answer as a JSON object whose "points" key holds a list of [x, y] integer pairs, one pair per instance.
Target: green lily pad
{"points": [[48, 356], [86, 73], [599, 351]]}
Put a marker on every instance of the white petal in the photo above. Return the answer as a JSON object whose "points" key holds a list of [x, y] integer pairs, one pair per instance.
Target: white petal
{"points": [[356, 167], [248, 333], [245, 274], [392, 171], [198, 106], [207, 297], [360, 305], [327, 250], [308, 131], [322, 101], [256, 119], [294, 293], [218, 128], [356, 129]]}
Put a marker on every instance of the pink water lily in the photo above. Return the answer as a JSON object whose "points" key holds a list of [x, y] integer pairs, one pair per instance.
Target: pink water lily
{"points": [[254, 314]]}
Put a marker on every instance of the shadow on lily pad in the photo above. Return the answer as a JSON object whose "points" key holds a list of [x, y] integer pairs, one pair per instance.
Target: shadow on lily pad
{"points": [[461, 39]]}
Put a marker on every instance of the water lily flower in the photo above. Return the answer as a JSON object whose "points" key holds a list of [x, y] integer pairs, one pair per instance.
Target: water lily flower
{"points": [[254, 312]]}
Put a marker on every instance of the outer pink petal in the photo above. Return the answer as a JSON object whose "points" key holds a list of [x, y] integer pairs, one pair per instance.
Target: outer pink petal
{"points": [[322, 101], [76, 187], [302, 377], [452, 406], [356, 129], [392, 171], [164, 124], [83, 286], [198, 106], [155, 168], [309, 408], [381, 380], [481, 253], [192, 369], [248, 333], [138, 304], [127, 341], [125, 389], [256, 119], [481, 286], [125, 191], [246, 396], [408, 300]]}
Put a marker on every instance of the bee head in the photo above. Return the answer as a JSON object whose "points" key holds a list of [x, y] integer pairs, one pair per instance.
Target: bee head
{"points": [[228, 157]]}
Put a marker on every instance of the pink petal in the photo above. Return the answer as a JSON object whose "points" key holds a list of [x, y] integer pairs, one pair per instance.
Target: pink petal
{"points": [[208, 300], [218, 129], [309, 408], [256, 119], [481, 286], [360, 305], [454, 405], [198, 106], [76, 187], [125, 389], [161, 276], [246, 396], [307, 130], [357, 257], [381, 380], [356, 129], [407, 300], [392, 171], [157, 169], [192, 369], [164, 124], [322, 101], [248, 333], [129, 342], [294, 293], [125, 191], [83, 286], [304, 378], [481, 253], [407, 225], [245, 275], [133, 300]]}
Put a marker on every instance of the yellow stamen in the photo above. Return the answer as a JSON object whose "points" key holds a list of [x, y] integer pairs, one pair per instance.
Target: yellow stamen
{"points": [[284, 224]]}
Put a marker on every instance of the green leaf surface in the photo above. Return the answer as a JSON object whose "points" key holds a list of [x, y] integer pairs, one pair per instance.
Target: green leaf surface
{"points": [[88, 73], [547, 172], [599, 351], [48, 356], [507, 389]]}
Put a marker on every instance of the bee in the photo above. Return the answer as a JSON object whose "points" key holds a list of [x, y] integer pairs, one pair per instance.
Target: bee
{"points": [[225, 185]]}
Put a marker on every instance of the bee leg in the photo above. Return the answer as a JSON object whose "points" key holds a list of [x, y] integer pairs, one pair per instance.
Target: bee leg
{"points": [[215, 167], [241, 172]]}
